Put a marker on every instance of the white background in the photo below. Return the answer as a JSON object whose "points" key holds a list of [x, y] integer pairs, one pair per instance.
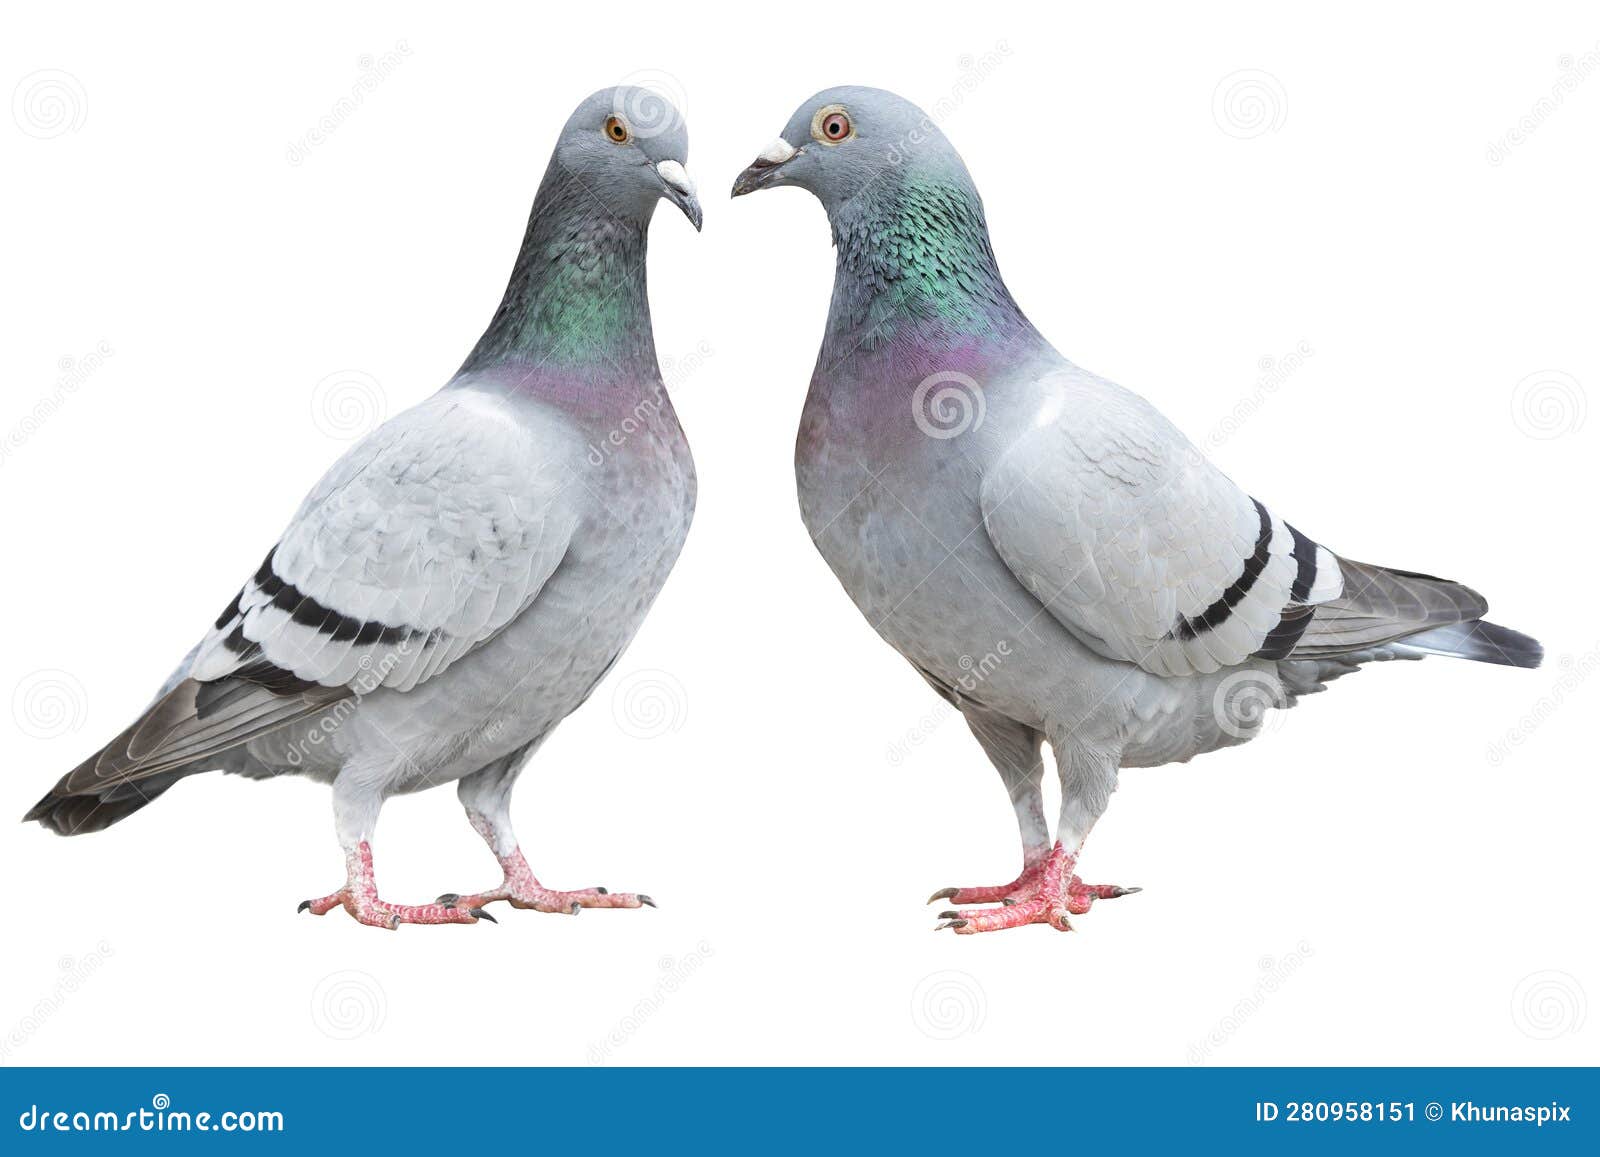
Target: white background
{"points": [[1373, 881]]}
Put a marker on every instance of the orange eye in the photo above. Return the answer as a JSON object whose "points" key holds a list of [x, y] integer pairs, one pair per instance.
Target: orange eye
{"points": [[617, 130], [831, 125]]}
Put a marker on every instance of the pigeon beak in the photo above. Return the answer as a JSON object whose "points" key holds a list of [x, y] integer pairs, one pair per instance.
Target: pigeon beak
{"points": [[764, 169], [680, 190]]}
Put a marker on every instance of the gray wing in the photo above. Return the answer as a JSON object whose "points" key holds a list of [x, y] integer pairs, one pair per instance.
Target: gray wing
{"points": [[422, 542], [1141, 547], [1150, 554]]}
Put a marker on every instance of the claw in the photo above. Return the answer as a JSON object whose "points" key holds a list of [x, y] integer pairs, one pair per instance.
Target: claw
{"points": [[1048, 892], [643, 899], [304, 904], [523, 890], [482, 915]]}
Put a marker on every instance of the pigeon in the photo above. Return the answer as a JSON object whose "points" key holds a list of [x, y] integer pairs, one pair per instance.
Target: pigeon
{"points": [[463, 577], [1043, 546]]}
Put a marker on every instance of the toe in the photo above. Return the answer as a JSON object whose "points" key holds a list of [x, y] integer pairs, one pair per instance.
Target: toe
{"points": [[322, 905], [600, 898], [973, 920]]}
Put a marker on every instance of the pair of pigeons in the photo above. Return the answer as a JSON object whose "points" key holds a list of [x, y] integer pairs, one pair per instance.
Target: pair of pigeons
{"points": [[463, 577]]}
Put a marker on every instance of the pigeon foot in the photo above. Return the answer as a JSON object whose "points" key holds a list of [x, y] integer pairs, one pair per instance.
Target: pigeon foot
{"points": [[359, 897], [521, 890], [1047, 892]]}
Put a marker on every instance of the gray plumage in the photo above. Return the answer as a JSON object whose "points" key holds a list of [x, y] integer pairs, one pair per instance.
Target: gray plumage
{"points": [[1051, 554], [461, 579]]}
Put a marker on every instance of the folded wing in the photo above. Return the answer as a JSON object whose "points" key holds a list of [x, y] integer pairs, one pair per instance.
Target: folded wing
{"points": [[423, 542], [1141, 547]]}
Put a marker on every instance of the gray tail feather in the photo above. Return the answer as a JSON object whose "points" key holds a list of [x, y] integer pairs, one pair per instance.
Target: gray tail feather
{"points": [[79, 814], [1480, 641]]}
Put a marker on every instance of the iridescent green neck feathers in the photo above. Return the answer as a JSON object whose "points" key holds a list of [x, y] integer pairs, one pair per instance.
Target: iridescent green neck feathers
{"points": [[915, 267], [577, 298]]}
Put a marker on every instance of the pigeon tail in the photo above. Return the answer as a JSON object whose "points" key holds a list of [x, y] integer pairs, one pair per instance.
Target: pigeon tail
{"points": [[1478, 640], [69, 814]]}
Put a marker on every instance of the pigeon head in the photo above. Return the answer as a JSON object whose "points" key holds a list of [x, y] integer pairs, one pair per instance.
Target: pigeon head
{"points": [[915, 269], [576, 298], [850, 140], [627, 147]]}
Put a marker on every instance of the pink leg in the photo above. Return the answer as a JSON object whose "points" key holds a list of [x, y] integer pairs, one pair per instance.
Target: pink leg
{"points": [[523, 890], [359, 897], [1032, 866], [1046, 893]]}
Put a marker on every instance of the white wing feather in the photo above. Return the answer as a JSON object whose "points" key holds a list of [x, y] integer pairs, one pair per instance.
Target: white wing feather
{"points": [[1129, 536], [425, 540]]}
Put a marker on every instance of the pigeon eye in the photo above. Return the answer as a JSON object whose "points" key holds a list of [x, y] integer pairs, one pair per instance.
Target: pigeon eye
{"points": [[832, 125], [617, 130]]}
